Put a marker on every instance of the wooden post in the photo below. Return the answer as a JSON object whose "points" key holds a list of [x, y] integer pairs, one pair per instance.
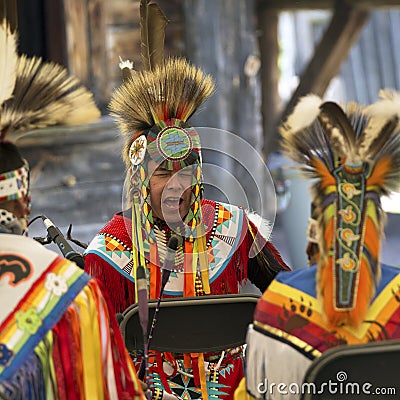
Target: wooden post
{"points": [[221, 38], [269, 49], [56, 33], [98, 62], [77, 40]]}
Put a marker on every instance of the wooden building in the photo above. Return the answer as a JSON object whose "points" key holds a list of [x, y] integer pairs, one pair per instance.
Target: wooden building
{"points": [[89, 36], [234, 40]]}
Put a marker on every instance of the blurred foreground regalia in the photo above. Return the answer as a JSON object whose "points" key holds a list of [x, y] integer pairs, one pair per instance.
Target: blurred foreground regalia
{"points": [[348, 297], [59, 338]]}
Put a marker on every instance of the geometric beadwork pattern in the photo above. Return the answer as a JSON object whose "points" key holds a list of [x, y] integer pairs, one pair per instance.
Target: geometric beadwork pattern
{"points": [[110, 249]]}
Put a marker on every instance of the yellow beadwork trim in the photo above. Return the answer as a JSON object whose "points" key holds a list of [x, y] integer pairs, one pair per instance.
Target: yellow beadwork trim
{"points": [[290, 338]]}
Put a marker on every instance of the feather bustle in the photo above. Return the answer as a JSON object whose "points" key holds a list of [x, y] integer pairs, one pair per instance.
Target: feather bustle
{"points": [[46, 95], [338, 140]]}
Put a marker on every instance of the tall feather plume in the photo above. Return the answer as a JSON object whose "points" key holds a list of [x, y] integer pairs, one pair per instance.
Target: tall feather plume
{"points": [[380, 140], [171, 90], [336, 124], [330, 148], [152, 33], [8, 54]]}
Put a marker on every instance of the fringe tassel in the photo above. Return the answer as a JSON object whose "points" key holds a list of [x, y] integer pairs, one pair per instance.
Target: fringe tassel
{"points": [[123, 371], [203, 262], [62, 392], [189, 285], [202, 374], [66, 339], [120, 289], [162, 374], [154, 272], [28, 381], [257, 352], [43, 350], [137, 239]]}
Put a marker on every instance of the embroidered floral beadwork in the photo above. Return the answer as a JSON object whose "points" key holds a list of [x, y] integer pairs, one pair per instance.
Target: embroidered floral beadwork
{"points": [[56, 284], [28, 321]]}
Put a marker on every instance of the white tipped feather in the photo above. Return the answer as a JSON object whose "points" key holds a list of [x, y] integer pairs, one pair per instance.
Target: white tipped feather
{"points": [[8, 61], [387, 107], [389, 94], [125, 63], [263, 225], [384, 109], [380, 113], [264, 228], [371, 131], [304, 113]]}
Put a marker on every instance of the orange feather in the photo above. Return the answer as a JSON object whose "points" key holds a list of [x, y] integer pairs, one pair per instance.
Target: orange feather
{"points": [[379, 173], [372, 238], [325, 176]]}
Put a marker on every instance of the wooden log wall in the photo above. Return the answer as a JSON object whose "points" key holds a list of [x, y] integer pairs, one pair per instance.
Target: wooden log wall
{"points": [[99, 32], [123, 33]]}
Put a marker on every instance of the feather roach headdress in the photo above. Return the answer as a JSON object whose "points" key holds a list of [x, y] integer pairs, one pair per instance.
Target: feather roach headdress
{"points": [[152, 108], [170, 91], [33, 94], [354, 154]]}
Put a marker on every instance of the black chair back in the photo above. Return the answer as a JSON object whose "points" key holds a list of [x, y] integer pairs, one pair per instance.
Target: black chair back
{"points": [[355, 372], [193, 324]]}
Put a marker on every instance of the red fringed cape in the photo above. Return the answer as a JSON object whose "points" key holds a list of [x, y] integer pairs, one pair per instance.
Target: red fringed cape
{"points": [[230, 236]]}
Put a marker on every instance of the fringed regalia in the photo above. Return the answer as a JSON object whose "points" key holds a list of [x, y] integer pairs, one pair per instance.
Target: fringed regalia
{"points": [[229, 236], [57, 339], [221, 244], [348, 297]]}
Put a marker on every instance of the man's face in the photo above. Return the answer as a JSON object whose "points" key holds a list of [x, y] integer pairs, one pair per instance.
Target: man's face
{"points": [[170, 192]]}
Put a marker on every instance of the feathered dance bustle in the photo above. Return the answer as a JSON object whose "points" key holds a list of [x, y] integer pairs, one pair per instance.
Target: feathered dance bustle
{"points": [[44, 95], [33, 93], [354, 153]]}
